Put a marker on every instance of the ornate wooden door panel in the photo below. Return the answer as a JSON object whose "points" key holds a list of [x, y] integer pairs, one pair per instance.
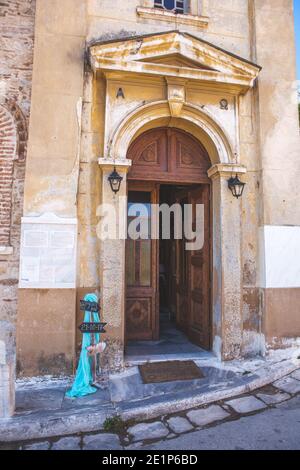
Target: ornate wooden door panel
{"points": [[149, 155], [168, 155], [189, 158], [141, 272], [199, 275]]}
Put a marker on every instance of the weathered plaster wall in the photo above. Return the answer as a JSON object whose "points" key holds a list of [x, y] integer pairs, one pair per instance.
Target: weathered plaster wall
{"points": [[278, 113], [89, 190], [16, 57], [52, 170], [253, 341], [46, 332], [228, 25], [54, 134], [280, 165]]}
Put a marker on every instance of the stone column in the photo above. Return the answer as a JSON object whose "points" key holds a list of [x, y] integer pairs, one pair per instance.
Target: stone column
{"points": [[112, 263], [227, 264]]}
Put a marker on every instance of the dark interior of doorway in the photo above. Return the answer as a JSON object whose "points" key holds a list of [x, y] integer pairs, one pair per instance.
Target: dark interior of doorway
{"points": [[173, 341]]}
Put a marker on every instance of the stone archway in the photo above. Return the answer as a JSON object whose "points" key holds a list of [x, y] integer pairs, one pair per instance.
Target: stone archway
{"points": [[192, 119], [226, 218]]}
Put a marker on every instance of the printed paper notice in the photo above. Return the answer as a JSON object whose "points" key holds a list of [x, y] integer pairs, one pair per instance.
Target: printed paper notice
{"points": [[29, 269]]}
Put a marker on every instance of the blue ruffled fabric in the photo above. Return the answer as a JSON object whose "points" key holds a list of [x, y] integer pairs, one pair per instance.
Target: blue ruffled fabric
{"points": [[84, 378]]}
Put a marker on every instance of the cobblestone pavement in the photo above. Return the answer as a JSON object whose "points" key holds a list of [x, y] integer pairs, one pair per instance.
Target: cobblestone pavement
{"points": [[267, 418]]}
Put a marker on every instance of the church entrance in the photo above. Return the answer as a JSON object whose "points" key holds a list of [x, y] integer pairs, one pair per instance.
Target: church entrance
{"points": [[168, 260]]}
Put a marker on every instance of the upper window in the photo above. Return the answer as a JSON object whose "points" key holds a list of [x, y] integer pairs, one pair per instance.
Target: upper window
{"points": [[176, 6]]}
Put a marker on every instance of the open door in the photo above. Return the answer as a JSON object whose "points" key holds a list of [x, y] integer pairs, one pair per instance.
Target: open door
{"points": [[199, 275], [142, 322], [193, 274]]}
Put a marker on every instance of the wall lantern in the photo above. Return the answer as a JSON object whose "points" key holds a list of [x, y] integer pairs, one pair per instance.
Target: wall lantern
{"points": [[115, 181], [236, 186]]}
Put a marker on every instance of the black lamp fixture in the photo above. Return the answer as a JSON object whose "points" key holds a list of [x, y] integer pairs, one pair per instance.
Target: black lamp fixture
{"points": [[115, 181], [236, 186]]}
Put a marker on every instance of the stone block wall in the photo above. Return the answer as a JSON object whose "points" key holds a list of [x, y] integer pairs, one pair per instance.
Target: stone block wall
{"points": [[16, 60]]}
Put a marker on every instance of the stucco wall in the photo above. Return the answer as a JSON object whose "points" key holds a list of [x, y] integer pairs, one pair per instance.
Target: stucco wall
{"points": [[52, 170], [280, 169]]}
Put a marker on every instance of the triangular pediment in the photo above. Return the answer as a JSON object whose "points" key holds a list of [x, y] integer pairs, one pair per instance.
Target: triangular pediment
{"points": [[178, 60], [173, 54]]}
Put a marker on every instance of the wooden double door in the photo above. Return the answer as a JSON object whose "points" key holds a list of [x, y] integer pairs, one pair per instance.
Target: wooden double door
{"points": [[190, 268]]}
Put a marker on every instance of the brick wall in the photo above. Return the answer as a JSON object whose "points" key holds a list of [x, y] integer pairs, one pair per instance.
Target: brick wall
{"points": [[8, 140], [16, 60]]}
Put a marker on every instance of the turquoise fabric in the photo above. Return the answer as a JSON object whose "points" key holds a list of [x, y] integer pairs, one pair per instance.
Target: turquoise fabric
{"points": [[84, 378]]}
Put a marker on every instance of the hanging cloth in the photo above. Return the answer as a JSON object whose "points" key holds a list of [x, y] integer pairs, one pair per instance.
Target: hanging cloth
{"points": [[83, 380]]}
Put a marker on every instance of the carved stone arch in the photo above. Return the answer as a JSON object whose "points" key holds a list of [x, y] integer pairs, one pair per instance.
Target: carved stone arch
{"points": [[157, 114], [13, 139]]}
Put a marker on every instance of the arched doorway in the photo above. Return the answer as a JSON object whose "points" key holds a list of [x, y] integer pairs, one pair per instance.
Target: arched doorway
{"points": [[164, 279]]}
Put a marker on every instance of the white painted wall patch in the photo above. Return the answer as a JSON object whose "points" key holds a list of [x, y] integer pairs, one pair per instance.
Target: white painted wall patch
{"points": [[280, 257]]}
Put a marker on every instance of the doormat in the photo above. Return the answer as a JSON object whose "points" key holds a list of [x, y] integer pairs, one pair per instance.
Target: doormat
{"points": [[156, 372]]}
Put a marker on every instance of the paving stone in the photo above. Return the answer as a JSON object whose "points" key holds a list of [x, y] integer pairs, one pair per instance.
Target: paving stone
{"points": [[126, 386], [136, 446], [226, 407], [93, 400], [179, 425], [66, 443], [40, 399], [246, 404], [296, 374], [102, 442], [288, 384], [207, 415], [37, 446], [273, 399], [143, 431]]}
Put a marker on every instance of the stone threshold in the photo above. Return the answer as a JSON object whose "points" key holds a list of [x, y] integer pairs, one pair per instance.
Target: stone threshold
{"points": [[84, 419], [134, 360]]}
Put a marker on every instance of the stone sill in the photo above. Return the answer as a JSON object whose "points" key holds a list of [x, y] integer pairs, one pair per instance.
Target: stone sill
{"points": [[169, 16], [6, 250]]}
